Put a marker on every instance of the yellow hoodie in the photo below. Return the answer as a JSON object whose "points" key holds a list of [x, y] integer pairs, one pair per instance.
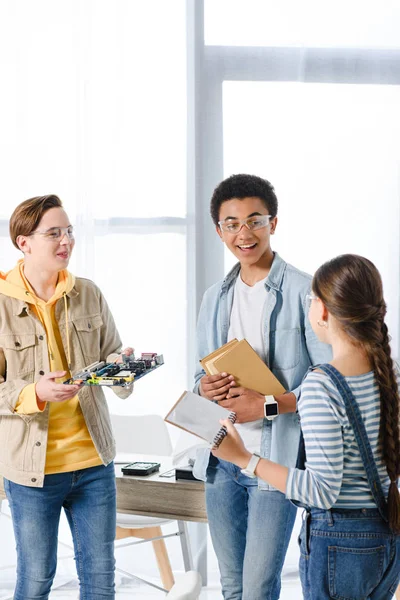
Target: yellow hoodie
{"points": [[69, 445]]}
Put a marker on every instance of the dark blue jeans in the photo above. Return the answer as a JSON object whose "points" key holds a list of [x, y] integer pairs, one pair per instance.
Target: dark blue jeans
{"points": [[348, 555], [89, 500]]}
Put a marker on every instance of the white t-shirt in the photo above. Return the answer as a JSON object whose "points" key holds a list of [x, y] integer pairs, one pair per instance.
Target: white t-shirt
{"points": [[247, 322]]}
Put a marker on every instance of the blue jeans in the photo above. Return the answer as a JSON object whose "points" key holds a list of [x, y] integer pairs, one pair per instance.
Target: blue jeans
{"points": [[89, 500], [348, 555], [250, 531]]}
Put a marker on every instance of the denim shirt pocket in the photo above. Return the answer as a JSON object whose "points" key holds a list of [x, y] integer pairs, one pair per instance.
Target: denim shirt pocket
{"points": [[88, 331], [286, 346], [19, 350]]}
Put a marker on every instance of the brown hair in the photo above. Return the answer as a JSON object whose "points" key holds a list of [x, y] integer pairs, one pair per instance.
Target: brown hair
{"points": [[350, 286], [27, 216]]}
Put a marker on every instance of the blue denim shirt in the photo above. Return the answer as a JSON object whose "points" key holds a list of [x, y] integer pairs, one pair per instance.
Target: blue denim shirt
{"points": [[290, 348]]}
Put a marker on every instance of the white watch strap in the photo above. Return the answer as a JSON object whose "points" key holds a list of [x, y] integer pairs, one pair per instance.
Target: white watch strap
{"points": [[270, 414], [251, 466], [270, 400]]}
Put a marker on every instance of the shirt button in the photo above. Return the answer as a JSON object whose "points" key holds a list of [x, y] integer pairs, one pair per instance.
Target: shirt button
{"points": [[33, 479], [41, 372], [89, 326], [41, 337], [17, 344], [38, 444]]}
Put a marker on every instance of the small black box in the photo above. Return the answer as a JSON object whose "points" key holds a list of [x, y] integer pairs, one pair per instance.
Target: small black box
{"points": [[185, 473], [140, 468]]}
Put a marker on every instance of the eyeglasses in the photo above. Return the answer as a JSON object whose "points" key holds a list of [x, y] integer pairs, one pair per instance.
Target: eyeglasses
{"points": [[310, 298], [252, 223], [56, 234]]}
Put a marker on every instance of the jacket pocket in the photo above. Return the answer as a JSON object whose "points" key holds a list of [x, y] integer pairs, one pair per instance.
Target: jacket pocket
{"points": [[19, 351], [88, 331], [286, 344]]}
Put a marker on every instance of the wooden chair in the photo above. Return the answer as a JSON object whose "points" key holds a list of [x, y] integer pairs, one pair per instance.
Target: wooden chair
{"points": [[148, 434]]}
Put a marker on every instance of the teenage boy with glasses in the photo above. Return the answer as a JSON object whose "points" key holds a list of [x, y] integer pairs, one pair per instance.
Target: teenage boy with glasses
{"points": [[56, 443], [262, 299]]}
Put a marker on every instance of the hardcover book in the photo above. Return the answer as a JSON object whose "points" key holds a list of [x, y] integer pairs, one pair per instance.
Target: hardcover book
{"points": [[238, 358]]}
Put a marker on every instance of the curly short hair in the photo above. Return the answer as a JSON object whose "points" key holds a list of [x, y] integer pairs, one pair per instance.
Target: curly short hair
{"points": [[243, 186], [27, 216]]}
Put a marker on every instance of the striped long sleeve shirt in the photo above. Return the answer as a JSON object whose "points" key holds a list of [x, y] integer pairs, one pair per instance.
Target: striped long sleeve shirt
{"points": [[334, 474]]}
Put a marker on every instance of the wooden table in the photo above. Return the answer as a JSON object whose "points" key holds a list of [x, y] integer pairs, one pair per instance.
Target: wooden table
{"points": [[156, 496]]}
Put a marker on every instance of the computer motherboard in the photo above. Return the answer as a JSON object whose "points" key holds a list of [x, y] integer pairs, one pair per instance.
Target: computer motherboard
{"points": [[121, 373]]}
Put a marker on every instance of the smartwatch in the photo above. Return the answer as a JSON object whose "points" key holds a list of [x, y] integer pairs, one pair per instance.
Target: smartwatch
{"points": [[251, 467], [271, 408]]}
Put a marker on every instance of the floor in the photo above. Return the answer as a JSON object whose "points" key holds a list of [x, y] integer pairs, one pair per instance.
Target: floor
{"points": [[67, 587], [68, 591]]}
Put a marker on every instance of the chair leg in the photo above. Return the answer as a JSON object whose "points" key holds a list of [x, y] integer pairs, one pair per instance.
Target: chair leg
{"points": [[122, 533], [164, 565], [160, 550]]}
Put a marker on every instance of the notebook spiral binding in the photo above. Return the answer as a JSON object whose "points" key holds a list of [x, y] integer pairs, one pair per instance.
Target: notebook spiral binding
{"points": [[223, 432]]}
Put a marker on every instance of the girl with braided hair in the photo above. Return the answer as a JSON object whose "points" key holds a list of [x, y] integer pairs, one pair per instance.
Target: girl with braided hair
{"points": [[349, 463]]}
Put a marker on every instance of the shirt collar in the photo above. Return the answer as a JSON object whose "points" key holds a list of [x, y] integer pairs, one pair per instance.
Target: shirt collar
{"points": [[274, 278]]}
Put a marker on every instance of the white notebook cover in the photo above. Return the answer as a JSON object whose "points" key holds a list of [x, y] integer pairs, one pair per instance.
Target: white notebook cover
{"points": [[200, 416]]}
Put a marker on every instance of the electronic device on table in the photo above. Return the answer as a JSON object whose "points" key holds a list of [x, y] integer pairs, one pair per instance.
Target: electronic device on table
{"points": [[121, 374], [141, 468]]}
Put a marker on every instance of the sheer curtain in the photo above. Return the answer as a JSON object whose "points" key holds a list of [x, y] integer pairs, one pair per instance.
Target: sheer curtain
{"points": [[93, 108]]}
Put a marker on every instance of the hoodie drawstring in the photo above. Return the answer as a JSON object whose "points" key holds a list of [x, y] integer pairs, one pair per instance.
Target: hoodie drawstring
{"points": [[67, 330], [40, 319]]}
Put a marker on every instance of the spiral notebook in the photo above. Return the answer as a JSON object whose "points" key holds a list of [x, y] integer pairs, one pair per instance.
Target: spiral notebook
{"points": [[200, 416]]}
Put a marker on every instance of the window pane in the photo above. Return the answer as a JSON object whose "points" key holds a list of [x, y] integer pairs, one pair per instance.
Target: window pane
{"points": [[332, 153], [95, 109], [143, 278], [38, 69], [138, 81], [311, 23], [9, 254]]}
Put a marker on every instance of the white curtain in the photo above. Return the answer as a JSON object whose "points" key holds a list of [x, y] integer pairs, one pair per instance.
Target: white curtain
{"points": [[93, 109]]}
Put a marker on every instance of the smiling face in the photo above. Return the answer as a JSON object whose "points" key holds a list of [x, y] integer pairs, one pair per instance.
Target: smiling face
{"points": [[43, 252], [251, 247]]}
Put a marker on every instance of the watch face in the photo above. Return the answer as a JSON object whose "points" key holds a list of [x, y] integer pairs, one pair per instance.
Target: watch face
{"points": [[271, 410]]}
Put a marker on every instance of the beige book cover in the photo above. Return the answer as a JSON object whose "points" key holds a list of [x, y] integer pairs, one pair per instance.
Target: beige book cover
{"points": [[208, 361], [249, 371]]}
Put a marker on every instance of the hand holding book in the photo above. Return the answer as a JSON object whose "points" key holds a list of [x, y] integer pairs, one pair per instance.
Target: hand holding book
{"points": [[248, 405], [216, 387], [243, 363]]}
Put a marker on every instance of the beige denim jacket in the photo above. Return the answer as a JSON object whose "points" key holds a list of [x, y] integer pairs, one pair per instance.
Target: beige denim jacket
{"points": [[24, 358]]}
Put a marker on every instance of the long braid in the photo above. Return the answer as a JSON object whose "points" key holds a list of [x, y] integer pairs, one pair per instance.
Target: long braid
{"points": [[380, 357], [351, 289]]}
